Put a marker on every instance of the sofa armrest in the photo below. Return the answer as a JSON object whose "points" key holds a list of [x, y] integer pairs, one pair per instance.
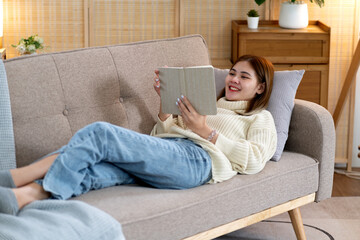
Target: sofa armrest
{"points": [[312, 133]]}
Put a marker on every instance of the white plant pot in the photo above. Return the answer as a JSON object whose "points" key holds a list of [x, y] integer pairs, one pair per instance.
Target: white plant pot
{"points": [[253, 22], [293, 15]]}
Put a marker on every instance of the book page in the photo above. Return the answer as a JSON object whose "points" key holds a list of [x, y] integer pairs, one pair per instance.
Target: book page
{"points": [[172, 86], [196, 83], [200, 89]]}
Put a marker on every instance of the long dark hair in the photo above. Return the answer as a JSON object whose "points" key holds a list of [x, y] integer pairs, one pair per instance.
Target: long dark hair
{"points": [[264, 70]]}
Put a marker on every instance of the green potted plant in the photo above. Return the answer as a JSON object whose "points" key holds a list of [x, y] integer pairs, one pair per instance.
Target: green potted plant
{"points": [[294, 13], [253, 19]]}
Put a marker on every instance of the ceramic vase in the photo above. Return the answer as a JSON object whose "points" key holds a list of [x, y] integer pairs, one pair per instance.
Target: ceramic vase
{"points": [[253, 22], [293, 15]]}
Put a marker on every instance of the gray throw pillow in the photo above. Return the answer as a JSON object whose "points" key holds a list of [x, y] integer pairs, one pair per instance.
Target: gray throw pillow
{"points": [[220, 75], [281, 105], [281, 101]]}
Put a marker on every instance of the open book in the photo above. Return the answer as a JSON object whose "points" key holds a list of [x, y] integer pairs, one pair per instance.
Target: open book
{"points": [[196, 83]]}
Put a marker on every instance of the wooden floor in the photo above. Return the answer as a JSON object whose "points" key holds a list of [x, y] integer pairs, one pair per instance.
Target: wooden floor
{"points": [[344, 186]]}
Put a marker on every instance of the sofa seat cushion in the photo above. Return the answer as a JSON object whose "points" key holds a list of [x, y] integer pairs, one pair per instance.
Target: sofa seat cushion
{"points": [[148, 213]]}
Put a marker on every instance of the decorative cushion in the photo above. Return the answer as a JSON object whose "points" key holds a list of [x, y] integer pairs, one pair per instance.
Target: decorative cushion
{"points": [[281, 101], [7, 145], [220, 75], [281, 104]]}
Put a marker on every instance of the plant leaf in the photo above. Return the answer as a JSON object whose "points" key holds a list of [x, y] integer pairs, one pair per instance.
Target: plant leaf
{"points": [[259, 2]]}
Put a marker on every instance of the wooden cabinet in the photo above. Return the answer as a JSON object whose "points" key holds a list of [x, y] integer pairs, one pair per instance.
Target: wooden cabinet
{"points": [[289, 49], [3, 53]]}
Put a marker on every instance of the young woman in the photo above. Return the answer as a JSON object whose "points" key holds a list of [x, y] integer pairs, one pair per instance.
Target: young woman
{"points": [[182, 152]]}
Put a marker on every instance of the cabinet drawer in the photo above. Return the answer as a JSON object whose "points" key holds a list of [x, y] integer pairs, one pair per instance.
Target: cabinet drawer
{"points": [[310, 45], [314, 84], [293, 50]]}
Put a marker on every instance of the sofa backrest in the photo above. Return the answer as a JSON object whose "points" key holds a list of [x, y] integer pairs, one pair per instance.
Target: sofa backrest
{"points": [[54, 95]]}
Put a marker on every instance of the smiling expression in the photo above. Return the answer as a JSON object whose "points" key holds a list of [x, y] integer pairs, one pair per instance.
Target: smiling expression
{"points": [[241, 84]]}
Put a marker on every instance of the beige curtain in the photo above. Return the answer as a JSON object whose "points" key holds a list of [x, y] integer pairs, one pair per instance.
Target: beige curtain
{"points": [[212, 19], [60, 23], [114, 21]]}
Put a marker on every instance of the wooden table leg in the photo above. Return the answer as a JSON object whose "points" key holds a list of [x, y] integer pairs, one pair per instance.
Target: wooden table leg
{"points": [[297, 223]]}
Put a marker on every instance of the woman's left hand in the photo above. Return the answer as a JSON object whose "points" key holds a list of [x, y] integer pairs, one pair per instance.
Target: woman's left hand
{"points": [[192, 119]]}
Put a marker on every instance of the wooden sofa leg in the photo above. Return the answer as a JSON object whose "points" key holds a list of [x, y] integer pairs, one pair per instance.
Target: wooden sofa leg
{"points": [[297, 223]]}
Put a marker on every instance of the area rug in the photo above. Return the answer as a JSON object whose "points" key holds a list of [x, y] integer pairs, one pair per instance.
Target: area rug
{"points": [[335, 218]]}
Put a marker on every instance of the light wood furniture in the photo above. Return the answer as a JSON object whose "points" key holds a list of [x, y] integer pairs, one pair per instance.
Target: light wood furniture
{"points": [[289, 49], [292, 207], [3, 53]]}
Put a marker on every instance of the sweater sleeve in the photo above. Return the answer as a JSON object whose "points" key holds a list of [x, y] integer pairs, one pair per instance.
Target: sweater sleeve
{"points": [[249, 156], [162, 126]]}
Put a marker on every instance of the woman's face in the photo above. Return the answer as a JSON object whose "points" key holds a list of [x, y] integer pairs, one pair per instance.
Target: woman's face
{"points": [[241, 84]]}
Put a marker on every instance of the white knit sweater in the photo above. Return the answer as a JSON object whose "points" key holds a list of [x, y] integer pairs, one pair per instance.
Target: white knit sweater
{"points": [[244, 145]]}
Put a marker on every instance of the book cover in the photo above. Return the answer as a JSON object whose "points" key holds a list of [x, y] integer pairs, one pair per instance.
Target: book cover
{"points": [[196, 83]]}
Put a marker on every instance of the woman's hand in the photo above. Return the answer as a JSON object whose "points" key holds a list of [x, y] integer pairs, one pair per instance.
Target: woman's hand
{"points": [[157, 82], [162, 116], [192, 119]]}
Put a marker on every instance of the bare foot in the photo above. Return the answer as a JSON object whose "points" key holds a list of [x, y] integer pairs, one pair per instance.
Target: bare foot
{"points": [[29, 193], [28, 174]]}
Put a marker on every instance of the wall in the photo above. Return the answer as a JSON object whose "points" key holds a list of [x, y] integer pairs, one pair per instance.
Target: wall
{"points": [[70, 24], [356, 142]]}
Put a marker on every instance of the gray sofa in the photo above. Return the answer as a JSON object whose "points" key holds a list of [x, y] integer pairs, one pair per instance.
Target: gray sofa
{"points": [[54, 95]]}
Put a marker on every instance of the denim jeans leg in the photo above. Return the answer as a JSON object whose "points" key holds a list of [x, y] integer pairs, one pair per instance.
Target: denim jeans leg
{"points": [[165, 163], [102, 175], [82, 166], [90, 157]]}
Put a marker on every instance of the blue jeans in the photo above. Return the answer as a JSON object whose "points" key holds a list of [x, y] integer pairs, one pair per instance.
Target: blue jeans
{"points": [[102, 155]]}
